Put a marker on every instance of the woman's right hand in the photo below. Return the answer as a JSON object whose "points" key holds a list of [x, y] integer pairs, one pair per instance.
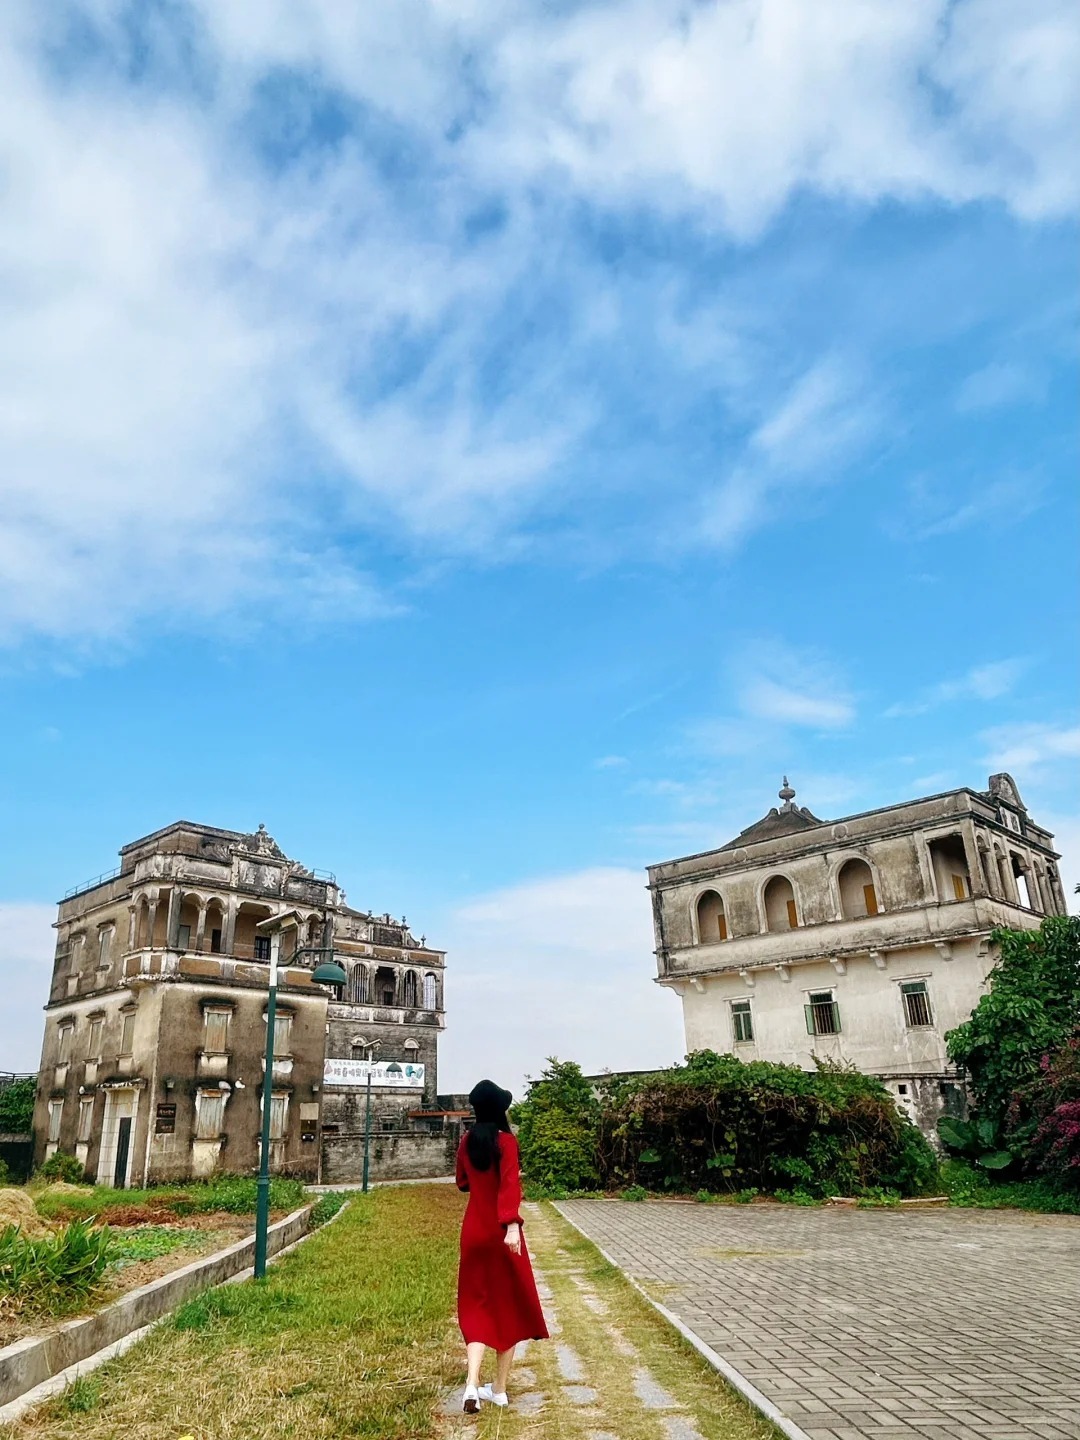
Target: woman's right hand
{"points": [[513, 1239]]}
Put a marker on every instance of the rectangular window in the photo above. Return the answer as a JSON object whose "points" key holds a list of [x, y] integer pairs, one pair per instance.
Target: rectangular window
{"points": [[916, 1004], [822, 1014], [792, 915], [183, 937], [742, 1022], [216, 1038], [56, 1113], [86, 1120], [961, 887], [282, 1034], [104, 936], [93, 1044], [63, 1044], [127, 1031], [279, 1116], [262, 947], [215, 942], [210, 1114], [870, 896]]}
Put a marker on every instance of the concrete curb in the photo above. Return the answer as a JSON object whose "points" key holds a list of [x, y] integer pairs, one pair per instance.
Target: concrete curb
{"points": [[735, 1378], [29, 1364]]}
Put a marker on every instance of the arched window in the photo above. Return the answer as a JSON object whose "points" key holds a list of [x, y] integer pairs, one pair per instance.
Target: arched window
{"points": [[1020, 880], [857, 894], [780, 910], [364, 1049], [711, 920], [431, 992], [358, 986], [410, 990]]}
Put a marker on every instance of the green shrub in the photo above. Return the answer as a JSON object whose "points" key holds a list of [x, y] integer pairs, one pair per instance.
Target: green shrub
{"points": [[61, 1166], [634, 1192], [17, 1107], [327, 1206], [4, 1173], [557, 1127], [54, 1273]]}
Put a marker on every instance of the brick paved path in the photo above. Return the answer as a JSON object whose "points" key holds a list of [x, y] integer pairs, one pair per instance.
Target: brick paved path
{"points": [[872, 1324]]}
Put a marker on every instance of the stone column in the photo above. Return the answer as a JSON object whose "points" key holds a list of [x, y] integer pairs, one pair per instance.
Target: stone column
{"points": [[151, 918], [172, 922], [200, 925], [971, 854], [228, 940], [133, 911]]}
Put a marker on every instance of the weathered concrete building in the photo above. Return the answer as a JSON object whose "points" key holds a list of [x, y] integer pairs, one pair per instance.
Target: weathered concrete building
{"points": [[154, 1051], [862, 940]]}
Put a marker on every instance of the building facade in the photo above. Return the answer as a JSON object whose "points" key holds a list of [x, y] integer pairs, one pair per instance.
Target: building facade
{"points": [[862, 940], [153, 1058]]}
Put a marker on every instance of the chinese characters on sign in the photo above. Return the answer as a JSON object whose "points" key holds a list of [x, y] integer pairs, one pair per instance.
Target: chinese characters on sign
{"points": [[384, 1074]]}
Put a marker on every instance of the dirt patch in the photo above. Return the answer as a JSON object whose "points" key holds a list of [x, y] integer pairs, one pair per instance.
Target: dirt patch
{"points": [[17, 1208]]}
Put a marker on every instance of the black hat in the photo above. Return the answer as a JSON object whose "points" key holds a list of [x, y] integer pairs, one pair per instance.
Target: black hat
{"points": [[489, 1101]]}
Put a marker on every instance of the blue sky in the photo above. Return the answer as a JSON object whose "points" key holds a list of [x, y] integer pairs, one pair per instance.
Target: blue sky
{"points": [[492, 446]]}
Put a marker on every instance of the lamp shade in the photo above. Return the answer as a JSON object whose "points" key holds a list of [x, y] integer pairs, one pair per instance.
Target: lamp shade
{"points": [[329, 972]]}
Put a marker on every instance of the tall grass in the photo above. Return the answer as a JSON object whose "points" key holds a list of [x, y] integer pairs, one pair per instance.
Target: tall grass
{"points": [[54, 1274], [231, 1194]]}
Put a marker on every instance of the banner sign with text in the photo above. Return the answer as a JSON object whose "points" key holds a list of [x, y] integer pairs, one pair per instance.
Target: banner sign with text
{"points": [[384, 1074]]}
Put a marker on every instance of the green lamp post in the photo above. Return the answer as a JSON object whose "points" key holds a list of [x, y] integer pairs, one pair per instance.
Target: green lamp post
{"points": [[327, 972]]}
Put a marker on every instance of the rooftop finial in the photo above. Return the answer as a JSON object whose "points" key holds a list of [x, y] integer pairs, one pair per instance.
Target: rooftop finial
{"points": [[787, 794]]}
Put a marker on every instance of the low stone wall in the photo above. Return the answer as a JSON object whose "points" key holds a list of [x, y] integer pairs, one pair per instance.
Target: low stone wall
{"points": [[395, 1155], [29, 1362]]}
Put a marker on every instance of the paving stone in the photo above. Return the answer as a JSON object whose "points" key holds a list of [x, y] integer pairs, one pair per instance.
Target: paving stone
{"points": [[580, 1394], [529, 1404], [651, 1393], [569, 1363], [872, 1325], [677, 1427]]}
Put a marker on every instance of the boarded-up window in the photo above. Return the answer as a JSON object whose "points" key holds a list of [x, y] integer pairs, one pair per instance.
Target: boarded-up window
{"points": [[56, 1114], [93, 1043], [282, 1033], [63, 1044], [127, 1031], [104, 936], [86, 1120], [961, 888], [209, 1114], [216, 1039], [279, 1116], [430, 992]]}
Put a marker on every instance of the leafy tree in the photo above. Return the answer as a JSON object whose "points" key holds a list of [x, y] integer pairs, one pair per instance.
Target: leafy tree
{"points": [[556, 1128], [1031, 1010], [17, 1106]]}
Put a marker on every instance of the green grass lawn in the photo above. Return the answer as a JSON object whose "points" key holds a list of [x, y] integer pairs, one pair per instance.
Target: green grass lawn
{"points": [[230, 1194], [351, 1335], [973, 1188]]}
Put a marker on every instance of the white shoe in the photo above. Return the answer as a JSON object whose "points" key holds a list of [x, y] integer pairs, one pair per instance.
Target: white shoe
{"points": [[487, 1392], [470, 1402]]}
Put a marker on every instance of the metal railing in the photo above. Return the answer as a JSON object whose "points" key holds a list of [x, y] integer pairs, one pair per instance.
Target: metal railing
{"points": [[101, 879]]}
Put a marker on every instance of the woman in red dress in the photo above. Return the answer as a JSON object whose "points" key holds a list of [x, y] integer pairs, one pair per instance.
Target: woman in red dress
{"points": [[497, 1301]]}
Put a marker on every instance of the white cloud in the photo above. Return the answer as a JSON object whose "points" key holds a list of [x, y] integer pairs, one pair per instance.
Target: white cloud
{"points": [[27, 944], [937, 508], [223, 371], [1028, 749], [982, 682], [793, 688], [610, 762], [556, 966]]}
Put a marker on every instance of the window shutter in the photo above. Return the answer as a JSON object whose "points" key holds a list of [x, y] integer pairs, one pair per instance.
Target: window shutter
{"points": [[870, 896], [809, 1011], [792, 915], [722, 925]]}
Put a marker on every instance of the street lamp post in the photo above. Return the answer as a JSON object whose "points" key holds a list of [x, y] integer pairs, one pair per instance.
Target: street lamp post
{"points": [[262, 1204], [328, 972]]}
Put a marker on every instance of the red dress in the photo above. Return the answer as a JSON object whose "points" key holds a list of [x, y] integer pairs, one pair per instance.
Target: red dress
{"points": [[497, 1300]]}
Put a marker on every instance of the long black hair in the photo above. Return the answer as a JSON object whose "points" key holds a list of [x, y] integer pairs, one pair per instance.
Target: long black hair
{"points": [[490, 1104]]}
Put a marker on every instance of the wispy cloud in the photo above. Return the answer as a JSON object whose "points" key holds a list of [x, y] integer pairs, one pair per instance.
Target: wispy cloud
{"points": [[1029, 749], [29, 943], [999, 384], [793, 687], [982, 682], [610, 762], [936, 508]]}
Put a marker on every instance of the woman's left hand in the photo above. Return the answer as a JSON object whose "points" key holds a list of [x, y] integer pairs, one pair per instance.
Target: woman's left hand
{"points": [[513, 1239]]}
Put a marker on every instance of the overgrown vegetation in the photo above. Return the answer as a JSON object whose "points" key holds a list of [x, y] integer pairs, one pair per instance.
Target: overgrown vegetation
{"points": [[228, 1194], [1021, 1054], [327, 1206], [53, 1274], [150, 1242], [17, 1107], [721, 1127], [64, 1167]]}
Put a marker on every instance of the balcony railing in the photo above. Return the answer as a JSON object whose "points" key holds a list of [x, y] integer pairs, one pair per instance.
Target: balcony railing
{"points": [[102, 879]]}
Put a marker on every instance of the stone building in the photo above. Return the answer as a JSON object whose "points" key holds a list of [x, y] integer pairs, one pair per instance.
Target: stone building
{"points": [[155, 1033], [862, 940]]}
